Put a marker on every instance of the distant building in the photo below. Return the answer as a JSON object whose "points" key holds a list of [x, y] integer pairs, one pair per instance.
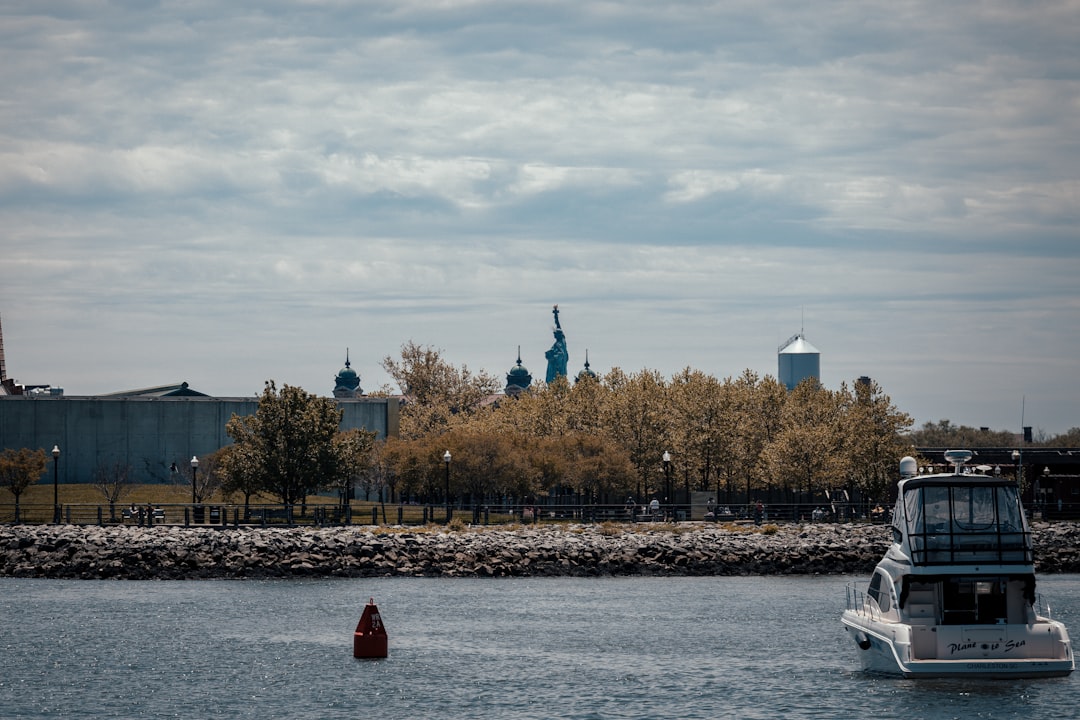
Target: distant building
{"points": [[585, 371], [798, 360], [160, 391], [347, 381], [150, 429], [518, 379]]}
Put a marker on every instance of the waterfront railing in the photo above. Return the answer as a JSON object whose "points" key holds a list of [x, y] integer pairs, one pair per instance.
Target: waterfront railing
{"points": [[408, 514]]}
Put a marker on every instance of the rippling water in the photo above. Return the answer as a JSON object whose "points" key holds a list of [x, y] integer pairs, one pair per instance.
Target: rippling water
{"points": [[510, 648]]}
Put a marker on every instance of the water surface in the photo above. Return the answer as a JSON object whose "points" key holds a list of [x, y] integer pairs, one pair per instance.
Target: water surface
{"points": [[746, 647]]}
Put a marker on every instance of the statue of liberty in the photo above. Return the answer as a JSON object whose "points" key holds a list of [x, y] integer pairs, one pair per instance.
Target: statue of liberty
{"points": [[557, 355]]}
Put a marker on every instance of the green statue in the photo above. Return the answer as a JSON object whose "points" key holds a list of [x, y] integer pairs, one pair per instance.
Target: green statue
{"points": [[557, 355]]}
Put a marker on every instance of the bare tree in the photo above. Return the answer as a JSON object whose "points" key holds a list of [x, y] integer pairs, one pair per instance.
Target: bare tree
{"points": [[112, 481], [438, 394], [204, 481]]}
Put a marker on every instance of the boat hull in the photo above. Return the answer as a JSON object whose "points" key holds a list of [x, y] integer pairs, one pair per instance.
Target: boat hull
{"points": [[880, 652]]}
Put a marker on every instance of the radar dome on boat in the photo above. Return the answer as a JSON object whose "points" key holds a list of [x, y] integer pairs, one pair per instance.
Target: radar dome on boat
{"points": [[908, 467]]}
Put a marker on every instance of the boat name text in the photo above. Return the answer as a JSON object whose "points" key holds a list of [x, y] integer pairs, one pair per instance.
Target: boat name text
{"points": [[1007, 646]]}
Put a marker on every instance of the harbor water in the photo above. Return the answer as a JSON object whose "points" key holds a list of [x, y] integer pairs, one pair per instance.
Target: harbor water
{"points": [[746, 647]]}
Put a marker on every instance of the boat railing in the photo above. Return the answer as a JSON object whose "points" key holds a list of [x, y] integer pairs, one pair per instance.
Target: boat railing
{"points": [[1042, 607], [858, 600], [945, 547]]}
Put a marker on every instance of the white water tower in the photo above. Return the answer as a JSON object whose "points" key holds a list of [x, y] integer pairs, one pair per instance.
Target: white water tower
{"points": [[798, 360]]}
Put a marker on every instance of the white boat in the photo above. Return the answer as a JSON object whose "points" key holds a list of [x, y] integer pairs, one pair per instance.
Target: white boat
{"points": [[954, 595]]}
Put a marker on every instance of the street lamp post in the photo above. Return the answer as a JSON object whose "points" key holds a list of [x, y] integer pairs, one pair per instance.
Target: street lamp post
{"points": [[194, 474], [667, 480], [55, 485], [1018, 458], [1042, 491], [446, 462], [716, 508], [686, 489]]}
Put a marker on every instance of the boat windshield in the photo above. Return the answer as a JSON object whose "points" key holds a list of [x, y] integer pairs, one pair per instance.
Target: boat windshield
{"points": [[965, 522]]}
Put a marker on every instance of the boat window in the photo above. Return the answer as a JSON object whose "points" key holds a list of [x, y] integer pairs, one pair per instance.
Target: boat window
{"points": [[935, 510], [913, 510], [879, 590], [1009, 513], [966, 521], [883, 600], [898, 520], [973, 508], [875, 587]]}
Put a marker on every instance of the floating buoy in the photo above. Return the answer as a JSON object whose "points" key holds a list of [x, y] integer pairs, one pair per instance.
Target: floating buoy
{"points": [[369, 640]]}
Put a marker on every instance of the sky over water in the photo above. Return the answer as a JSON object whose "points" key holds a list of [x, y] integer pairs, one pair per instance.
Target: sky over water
{"points": [[230, 193]]}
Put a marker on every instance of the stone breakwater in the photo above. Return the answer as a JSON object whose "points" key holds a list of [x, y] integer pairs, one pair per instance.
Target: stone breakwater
{"points": [[167, 553]]}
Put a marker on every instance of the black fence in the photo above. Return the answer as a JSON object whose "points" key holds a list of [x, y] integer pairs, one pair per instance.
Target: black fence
{"points": [[360, 513]]}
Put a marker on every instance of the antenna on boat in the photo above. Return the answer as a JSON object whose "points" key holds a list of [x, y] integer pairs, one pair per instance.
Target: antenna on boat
{"points": [[957, 458]]}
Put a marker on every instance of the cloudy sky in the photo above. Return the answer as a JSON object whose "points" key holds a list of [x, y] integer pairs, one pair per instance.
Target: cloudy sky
{"points": [[226, 193]]}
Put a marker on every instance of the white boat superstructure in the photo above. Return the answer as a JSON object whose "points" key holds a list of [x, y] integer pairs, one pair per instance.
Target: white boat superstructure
{"points": [[955, 593]]}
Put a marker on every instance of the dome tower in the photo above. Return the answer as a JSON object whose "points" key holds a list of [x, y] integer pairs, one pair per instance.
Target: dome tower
{"points": [[347, 382], [585, 372], [518, 379]]}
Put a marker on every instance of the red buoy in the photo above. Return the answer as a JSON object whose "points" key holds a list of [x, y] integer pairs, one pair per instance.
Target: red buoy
{"points": [[369, 640]]}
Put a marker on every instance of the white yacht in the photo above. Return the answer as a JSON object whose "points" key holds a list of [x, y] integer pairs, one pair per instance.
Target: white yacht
{"points": [[955, 593]]}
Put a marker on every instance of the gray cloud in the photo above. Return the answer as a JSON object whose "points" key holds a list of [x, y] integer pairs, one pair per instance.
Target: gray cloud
{"points": [[233, 193]]}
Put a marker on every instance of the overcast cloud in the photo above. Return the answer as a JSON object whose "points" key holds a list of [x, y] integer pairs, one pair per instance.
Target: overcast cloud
{"points": [[226, 193]]}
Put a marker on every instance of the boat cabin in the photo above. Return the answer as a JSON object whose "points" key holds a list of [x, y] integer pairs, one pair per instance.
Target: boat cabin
{"points": [[962, 520], [969, 547]]}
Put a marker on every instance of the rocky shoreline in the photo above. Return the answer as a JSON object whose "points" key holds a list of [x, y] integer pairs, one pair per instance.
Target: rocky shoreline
{"points": [[175, 553]]}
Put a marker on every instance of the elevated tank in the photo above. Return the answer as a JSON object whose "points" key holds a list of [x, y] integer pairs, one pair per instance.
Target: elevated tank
{"points": [[798, 360]]}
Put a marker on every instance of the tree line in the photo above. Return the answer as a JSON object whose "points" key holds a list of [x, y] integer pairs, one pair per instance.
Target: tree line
{"points": [[597, 439], [601, 438]]}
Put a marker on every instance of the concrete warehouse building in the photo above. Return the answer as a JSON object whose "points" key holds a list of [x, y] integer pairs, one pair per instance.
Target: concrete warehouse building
{"points": [[150, 430], [147, 430]]}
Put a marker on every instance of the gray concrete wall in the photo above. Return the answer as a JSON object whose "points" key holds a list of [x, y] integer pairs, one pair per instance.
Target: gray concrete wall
{"points": [[148, 434]]}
